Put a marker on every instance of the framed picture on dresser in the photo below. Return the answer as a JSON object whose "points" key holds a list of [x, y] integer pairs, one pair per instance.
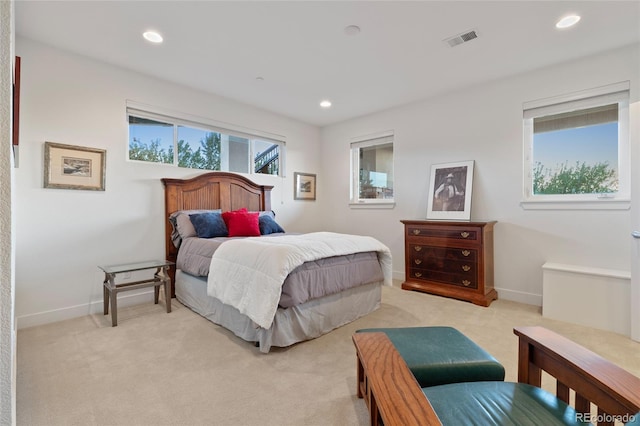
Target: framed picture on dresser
{"points": [[450, 186]]}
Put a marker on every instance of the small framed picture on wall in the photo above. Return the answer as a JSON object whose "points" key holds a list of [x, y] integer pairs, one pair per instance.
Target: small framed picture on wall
{"points": [[74, 167], [304, 186]]}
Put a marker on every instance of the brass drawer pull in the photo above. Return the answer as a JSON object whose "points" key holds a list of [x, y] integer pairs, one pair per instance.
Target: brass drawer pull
{"points": [[466, 253], [464, 234], [466, 283], [416, 232], [466, 268], [418, 274], [417, 248], [417, 261]]}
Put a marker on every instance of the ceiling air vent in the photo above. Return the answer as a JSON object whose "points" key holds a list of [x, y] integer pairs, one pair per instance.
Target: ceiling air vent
{"points": [[461, 38]]}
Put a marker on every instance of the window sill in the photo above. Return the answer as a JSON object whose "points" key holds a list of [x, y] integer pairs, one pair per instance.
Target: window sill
{"points": [[620, 204], [374, 205]]}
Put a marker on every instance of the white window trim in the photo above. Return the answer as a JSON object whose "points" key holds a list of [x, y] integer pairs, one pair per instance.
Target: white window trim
{"points": [[194, 120], [354, 144], [389, 204], [153, 112], [618, 92]]}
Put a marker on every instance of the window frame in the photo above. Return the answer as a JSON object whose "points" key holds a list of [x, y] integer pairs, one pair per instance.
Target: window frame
{"points": [[187, 120], [613, 93], [355, 144]]}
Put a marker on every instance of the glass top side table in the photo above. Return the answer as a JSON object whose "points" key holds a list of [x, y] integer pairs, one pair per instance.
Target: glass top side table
{"points": [[111, 288]]}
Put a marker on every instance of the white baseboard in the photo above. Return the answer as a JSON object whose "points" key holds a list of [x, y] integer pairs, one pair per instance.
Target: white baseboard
{"points": [[503, 293], [398, 275], [94, 307], [519, 296]]}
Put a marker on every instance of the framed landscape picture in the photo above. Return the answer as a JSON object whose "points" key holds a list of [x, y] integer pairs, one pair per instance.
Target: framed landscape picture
{"points": [[74, 167], [450, 187], [304, 186]]}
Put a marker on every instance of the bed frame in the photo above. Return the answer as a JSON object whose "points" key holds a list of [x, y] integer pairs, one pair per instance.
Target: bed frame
{"points": [[214, 190], [395, 398], [229, 191]]}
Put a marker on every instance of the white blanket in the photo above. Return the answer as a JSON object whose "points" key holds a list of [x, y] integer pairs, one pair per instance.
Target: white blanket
{"points": [[248, 273]]}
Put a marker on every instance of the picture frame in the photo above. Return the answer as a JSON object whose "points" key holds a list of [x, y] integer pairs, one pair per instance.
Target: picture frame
{"points": [[74, 167], [16, 102], [450, 190], [304, 186]]}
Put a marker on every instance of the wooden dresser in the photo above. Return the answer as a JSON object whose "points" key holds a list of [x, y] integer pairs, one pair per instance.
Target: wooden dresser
{"points": [[453, 259]]}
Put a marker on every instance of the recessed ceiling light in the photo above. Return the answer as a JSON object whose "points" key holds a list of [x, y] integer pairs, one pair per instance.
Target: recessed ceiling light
{"points": [[152, 36], [258, 78], [568, 21], [352, 30], [325, 104]]}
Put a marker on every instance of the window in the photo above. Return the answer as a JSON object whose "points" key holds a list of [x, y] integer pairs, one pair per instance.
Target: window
{"points": [[191, 144], [372, 170], [577, 150]]}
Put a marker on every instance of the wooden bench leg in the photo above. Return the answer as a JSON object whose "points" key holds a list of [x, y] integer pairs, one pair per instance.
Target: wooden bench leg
{"points": [[360, 379], [374, 413]]}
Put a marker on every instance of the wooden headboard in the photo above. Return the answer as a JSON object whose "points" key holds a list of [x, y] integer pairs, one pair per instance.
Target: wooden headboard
{"points": [[210, 191]]}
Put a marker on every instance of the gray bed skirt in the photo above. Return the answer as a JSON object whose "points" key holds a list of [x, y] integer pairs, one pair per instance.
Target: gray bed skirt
{"points": [[296, 324]]}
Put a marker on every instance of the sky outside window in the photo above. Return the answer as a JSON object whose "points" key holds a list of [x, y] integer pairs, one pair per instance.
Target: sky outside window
{"points": [[590, 144], [152, 131], [192, 136]]}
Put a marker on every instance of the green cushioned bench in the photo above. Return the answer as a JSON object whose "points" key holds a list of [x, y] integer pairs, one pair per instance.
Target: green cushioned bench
{"points": [[499, 403], [586, 384], [441, 355]]}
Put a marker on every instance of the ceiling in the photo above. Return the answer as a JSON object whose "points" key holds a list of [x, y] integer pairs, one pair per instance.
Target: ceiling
{"points": [[303, 55]]}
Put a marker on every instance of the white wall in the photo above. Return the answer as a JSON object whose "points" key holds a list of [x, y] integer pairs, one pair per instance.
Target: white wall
{"points": [[484, 124], [7, 228], [65, 234]]}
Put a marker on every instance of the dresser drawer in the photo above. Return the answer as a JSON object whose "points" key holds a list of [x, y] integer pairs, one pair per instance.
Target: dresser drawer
{"points": [[465, 280], [422, 251], [444, 265], [457, 233]]}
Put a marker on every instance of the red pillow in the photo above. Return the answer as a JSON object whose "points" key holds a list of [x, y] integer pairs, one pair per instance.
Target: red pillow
{"points": [[227, 215], [241, 223]]}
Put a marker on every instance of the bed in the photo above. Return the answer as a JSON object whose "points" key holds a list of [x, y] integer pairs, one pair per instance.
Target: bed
{"points": [[291, 318]]}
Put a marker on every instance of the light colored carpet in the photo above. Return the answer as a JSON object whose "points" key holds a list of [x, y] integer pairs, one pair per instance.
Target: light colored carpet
{"points": [[156, 368]]}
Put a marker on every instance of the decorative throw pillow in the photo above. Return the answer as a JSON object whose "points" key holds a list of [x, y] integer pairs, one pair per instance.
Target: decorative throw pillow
{"points": [[268, 225], [227, 215], [209, 225], [242, 223], [182, 226]]}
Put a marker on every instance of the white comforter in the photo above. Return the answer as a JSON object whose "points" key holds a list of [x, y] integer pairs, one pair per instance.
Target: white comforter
{"points": [[248, 273]]}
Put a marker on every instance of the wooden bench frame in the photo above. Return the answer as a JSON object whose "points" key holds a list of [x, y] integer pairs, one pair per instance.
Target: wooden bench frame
{"points": [[394, 397]]}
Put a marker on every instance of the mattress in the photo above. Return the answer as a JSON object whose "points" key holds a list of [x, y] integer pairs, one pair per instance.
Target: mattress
{"points": [[194, 255], [291, 325], [310, 280]]}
